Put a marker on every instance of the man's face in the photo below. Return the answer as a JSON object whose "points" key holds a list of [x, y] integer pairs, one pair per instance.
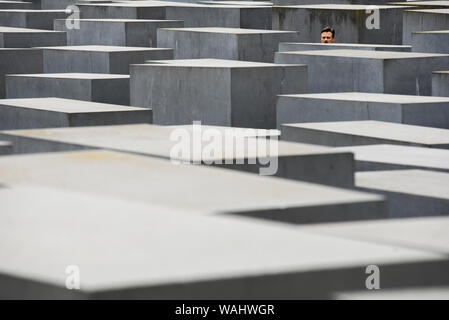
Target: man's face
{"points": [[326, 37]]}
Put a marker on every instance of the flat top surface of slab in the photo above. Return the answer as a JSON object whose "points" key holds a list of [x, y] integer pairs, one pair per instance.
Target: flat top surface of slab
{"points": [[123, 244], [434, 11], [238, 3], [137, 4], [381, 129], [340, 7], [441, 72], [347, 44], [91, 76], [401, 155], [25, 30], [101, 48], [31, 11], [211, 63], [121, 20], [423, 3], [434, 31], [156, 181], [371, 97], [348, 53], [417, 182], [65, 105], [229, 30]]}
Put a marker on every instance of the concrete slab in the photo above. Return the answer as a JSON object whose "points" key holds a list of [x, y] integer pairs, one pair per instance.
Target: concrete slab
{"points": [[141, 264], [304, 46], [193, 15], [415, 293], [57, 112], [314, 2], [237, 3], [54, 4], [116, 32], [394, 157], [440, 83], [223, 43], [410, 193], [352, 133], [431, 41], [16, 5], [424, 4], [5, 147], [423, 20], [95, 87], [347, 106], [293, 160], [26, 38], [98, 59], [349, 21], [367, 71], [215, 92], [33, 19], [18, 61]]}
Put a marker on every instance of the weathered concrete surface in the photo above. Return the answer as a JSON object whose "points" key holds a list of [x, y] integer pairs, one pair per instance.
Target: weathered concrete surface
{"points": [[431, 41], [440, 83], [204, 190], [105, 88], [349, 21], [5, 147], [33, 19], [423, 20], [237, 3], [304, 46], [410, 193], [143, 235], [27, 38], [193, 15], [294, 161], [224, 43], [367, 71], [347, 106], [16, 5], [57, 112], [215, 92], [394, 157], [339, 2], [18, 61], [352, 133], [116, 32], [98, 59]]}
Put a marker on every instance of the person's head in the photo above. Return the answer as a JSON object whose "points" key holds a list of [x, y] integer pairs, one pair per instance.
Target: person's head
{"points": [[327, 35]]}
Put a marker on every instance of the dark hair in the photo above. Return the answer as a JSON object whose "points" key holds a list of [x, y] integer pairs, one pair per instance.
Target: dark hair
{"points": [[328, 29]]}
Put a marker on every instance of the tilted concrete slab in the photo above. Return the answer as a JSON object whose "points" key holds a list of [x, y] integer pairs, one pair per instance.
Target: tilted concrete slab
{"points": [[95, 87], [125, 249], [26, 38], [57, 112], [213, 91], [410, 193], [98, 59], [352, 133], [349, 21], [423, 20], [367, 71], [198, 188], [224, 43], [5, 147], [304, 46], [33, 19], [288, 160], [431, 41], [440, 83], [347, 106], [115, 32], [394, 157]]}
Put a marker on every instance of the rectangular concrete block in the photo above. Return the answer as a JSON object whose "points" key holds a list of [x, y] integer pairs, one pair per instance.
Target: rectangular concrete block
{"points": [[410, 193], [193, 15], [431, 41], [27, 38], [5, 147], [353, 133], [424, 20], [294, 161], [347, 106], [18, 61], [348, 20], [115, 32], [105, 88], [440, 83], [367, 71], [33, 19], [57, 112], [215, 92], [16, 5], [98, 59], [304, 46], [223, 43], [396, 157]]}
